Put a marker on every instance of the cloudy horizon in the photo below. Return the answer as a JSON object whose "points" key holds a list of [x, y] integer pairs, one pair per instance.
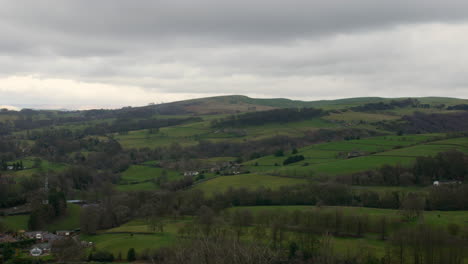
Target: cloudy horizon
{"points": [[83, 54]]}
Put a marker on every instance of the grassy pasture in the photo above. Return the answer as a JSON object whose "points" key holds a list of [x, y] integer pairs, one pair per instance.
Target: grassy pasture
{"points": [[189, 134], [121, 243], [344, 166], [438, 218], [15, 222], [325, 159], [141, 226], [318, 153], [68, 222], [422, 150], [249, 181], [144, 186], [46, 166], [141, 176], [370, 241], [461, 142], [143, 172], [136, 234]]}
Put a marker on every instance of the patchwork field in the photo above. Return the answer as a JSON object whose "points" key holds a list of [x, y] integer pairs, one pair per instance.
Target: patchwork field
{"points": [[137, 173], [248, 181], [136, 234], [121, 243], [441, 218], [331, 158]]}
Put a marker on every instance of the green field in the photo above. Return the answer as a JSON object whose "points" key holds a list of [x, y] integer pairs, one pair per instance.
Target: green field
{"points": [[137, 173], [139, 177], [16, 222], [144, 186], [121, 243], [441, 218], [330, 158], [70, 221], [249, 181], [45, 166], [136, 234]]}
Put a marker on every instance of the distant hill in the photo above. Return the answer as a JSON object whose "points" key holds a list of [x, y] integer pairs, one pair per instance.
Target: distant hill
{"points": [[238, 103]]}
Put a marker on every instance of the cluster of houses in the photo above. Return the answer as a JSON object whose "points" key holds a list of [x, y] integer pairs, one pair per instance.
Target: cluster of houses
{"points": [[227, 168], [41, 240], [223, 168]]}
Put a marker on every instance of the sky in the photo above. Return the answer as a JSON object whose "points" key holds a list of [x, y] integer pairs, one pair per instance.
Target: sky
{"points": [[82, 54]]}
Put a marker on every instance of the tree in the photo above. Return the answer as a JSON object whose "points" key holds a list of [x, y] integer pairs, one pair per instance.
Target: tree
{"points": [[66, 250], [89, 220], [240, 220], [279, 153], [102, 256], [3, 227], [131, 255], [206, 219], [383, 227], [8, 252], [292, 250], [412, 207], [156, 224]]}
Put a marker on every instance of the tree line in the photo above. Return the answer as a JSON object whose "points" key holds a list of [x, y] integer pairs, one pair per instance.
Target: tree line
{"points": [[271, 116]]}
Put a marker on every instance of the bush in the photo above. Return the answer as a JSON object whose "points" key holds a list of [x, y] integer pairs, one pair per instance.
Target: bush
{"points": [[279, 153], [293, 159], [131, 255], [102, 256]]}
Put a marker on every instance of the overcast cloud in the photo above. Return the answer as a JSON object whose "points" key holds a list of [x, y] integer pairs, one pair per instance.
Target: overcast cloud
{"points": [[111, 53]]}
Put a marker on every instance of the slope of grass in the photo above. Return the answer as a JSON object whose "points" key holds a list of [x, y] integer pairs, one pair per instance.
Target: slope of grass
{"points": [[330, 158], [70, 221], [144, 186], [249, 181], [121, 243], [15, 222], [438, 218], [143, 172]]}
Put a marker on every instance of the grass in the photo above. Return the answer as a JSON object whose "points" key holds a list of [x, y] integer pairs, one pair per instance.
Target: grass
{"points": [[16, 222], [130, 235], [144, 186], [141, 176], [143, 172], [346, 246], [320, 153], [70, 221], [141, 226], [121, 243], [438, 218], [249, 181], [330, 158], [190, 134], [345, 166], [45, 166]]}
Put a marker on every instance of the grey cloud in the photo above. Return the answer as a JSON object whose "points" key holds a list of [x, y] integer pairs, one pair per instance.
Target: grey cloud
{"points": [[94, 27], [301, 49]]}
